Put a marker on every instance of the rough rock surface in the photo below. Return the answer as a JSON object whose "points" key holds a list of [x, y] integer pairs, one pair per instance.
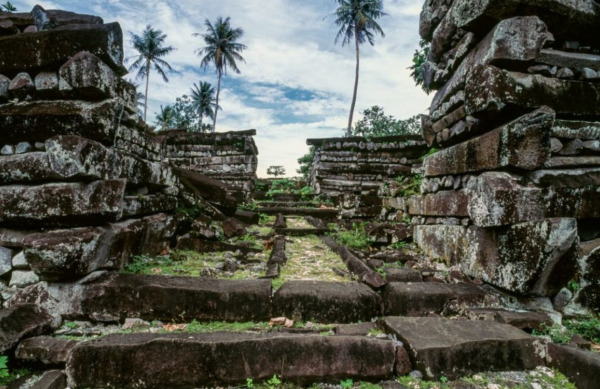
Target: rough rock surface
{"points": [[21, 321]]}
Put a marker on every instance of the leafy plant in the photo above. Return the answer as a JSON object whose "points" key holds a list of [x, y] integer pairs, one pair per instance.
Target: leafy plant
{"points": [[4, 366], [368, 385], [8, 7], [249, 383], [409, 185], [573, 286], [418, 66], [356, 238], [556, 332], [376, 123], [6, 375], [587, 327], [347, 384], [398, 245], [276, 170], [306, 162], [429, 152], [273, 382], [71, 324]]}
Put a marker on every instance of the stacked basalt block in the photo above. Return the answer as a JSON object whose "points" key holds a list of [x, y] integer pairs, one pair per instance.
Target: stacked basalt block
{"points": [[354, 169], [82, 184], [513, 197], [230, 157]]}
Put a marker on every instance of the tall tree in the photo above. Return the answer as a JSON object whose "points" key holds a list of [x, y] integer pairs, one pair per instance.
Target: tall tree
{"points": [[203, 99], [150, 46], [357, 20], [221, 50], [165, 118]]}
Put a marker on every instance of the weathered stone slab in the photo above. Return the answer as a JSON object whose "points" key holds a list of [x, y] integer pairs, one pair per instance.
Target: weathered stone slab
{"points": [[53, 379], [498, 199], [403, 274], [226, 359], [49, 19], [575, 129], [39, 120], [524, 320], [62, 204], [355, 265], [74, 253], [50, 49], [21, 321], [535, 258], [416, 298], [146, 205], [452, 348], [432, 13], [580, 366], [177, 298], [445, 203], [327, 302], [566, 178], [490, 89], [523, 144], [576, 162], [85, 76], [45, 349], [519, 39], [566, 59]]}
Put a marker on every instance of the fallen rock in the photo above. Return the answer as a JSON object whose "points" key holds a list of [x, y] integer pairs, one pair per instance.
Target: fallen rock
{"points": [[21, 321], [45, 349], [416, 299], [450, 348], [580, 366]]}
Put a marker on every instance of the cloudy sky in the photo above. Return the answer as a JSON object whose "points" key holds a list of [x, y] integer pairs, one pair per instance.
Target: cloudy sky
{"points": [[295, 84]]}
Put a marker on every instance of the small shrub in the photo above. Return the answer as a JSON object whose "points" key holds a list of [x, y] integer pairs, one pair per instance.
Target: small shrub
{"points": [[356, 238], [273, 382], [347, 384]]}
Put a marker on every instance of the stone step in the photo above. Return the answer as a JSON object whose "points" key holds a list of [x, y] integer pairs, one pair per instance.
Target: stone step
{"points": [[326, 302], [191, 360], [301, 231], [322, 213], [455, 348]]}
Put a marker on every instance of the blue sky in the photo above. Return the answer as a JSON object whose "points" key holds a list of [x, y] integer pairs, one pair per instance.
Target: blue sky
{"points": [[295, 84]]}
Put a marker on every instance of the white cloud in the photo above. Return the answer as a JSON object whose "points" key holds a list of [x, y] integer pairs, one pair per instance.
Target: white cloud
{"points": [[290, 46]]}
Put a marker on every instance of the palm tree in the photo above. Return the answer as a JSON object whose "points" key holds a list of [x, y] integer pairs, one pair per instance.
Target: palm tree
{"points": [[222, 50], [203, 99], [356, 19], [150, 47], [164, 119]]}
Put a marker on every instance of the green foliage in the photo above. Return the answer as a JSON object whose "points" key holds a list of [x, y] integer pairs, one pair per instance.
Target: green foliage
{"points": [[398, 245], [417, 67], [71, 324], [429, 152], [4, 366], [249, 205], [376, 123], [276, 170], [347, 384], [260, 186], [266, 219], [273, 382], [217, 326], [356, 238], [381, 271], [281, 186], [368, 385], [249, 383], [587, 327], [556, 332], [141, 263], [573, 286], [7, 7], [190, 213], [306, 162], [307, 192], [409, 185]]}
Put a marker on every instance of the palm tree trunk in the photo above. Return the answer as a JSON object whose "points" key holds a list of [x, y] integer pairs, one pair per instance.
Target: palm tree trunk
{"points": [[200, 120], [349, 131], [146, 95], [217, 102]]}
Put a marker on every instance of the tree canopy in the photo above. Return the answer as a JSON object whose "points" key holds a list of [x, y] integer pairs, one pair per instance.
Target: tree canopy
{"points": [[222, 50], [376, 123]]}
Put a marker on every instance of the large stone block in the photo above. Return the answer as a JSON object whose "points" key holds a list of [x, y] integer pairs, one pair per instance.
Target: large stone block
{"points": [[328, 302], [62, 204], [416, 298], [74, 253], [491, 89], [85, 76], [519, 39], [524, 144], [580, 366], [39, 120], [445, 203], [497, 199], [177, 298], [50, 49], [45, 349], [528, 258], [451, 348], [226, 359], [21, 321]]}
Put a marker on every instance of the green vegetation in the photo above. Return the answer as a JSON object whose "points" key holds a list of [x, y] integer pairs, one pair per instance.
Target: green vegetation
{"points": [[375, 123], [368, 385], [188, 110], [221, 50], [357, 20], [266, 219], [417, 67], [8, 375], [7, 7], [347, 384], [306, 162], [409, 185], [282, 186], [429, 152], [150, 46], [216, 326], [586, 327], [356, 238], [273, 382]]}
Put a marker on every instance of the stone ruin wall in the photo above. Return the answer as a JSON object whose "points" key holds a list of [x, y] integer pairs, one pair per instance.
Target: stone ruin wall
{"points": [[230, 157], [354, 169], [513, 196], [84, 183]]}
